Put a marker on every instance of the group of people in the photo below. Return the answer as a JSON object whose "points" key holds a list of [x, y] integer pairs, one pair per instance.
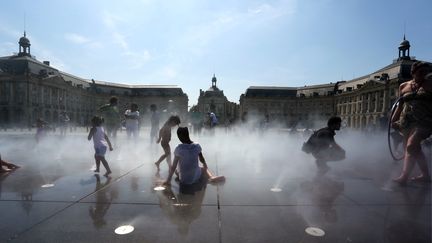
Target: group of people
{"points": [[186, 154], [131, 119]]}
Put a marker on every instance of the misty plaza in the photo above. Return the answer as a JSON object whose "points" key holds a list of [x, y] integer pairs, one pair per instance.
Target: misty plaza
{"points": [[334, 162]]}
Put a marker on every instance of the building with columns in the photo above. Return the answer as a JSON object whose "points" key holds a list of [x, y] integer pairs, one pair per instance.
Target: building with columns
{"points": [[288, 106], [214, 100], [361, 102], [30, 89]]}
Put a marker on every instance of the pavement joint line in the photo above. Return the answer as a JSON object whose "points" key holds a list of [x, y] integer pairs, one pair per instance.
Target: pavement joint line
{"points": [[218, 205], [68, 206]]}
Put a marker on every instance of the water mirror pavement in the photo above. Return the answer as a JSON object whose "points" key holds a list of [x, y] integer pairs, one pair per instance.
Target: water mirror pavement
{"points": [[272, 192]]}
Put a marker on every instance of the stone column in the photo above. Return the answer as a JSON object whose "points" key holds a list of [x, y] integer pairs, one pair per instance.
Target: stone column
{"points": [[376, 101], [368, 102], [385, 107]]}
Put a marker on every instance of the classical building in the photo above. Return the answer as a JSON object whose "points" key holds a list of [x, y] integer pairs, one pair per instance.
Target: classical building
{"points": [[214, 100], [30, 89], [361, 102], [288, 106], [366, 101]]}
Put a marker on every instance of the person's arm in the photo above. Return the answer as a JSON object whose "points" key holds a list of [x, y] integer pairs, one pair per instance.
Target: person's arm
{"points": [[109, 142], [172, 170], [335, 145], [91, 133], [202, 160], [160, 135], [398, 111]]}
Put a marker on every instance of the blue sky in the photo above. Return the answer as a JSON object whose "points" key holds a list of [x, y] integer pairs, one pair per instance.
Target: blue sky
{"points": [[244, 42]]}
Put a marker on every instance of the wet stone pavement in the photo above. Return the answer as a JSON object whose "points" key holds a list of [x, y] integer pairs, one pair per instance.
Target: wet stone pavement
{"points": [[272, 194]]}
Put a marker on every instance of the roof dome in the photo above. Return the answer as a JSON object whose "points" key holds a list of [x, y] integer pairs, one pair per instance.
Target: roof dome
{"points": [[24, 41], [404, 44]]}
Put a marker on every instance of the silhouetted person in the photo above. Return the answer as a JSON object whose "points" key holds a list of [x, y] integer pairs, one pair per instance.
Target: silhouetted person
{"points": [[41, 129], [63, 122], [323, 145], [111, 116], [165, 138], [413, 118]]}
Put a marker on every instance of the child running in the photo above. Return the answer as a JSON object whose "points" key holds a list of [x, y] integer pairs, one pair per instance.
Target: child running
{"points": [[101, 142], [165, 138], [186, 155]]}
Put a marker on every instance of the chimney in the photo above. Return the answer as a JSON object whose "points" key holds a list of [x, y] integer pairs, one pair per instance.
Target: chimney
{"points": [[46, 63]]}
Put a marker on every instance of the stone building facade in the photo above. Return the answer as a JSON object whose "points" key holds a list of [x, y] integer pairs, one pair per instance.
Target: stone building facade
{"points": [[366, 101], [30, 89], [361, 102], [288, 106], [214, 100]]}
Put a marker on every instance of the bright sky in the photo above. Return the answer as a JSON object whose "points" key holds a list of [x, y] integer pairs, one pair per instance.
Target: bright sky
{"points": [[244, 42]]}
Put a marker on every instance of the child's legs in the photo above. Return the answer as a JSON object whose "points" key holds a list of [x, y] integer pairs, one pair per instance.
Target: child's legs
{"points": [[135, 133], [129, 132], [105, 164], [100, 156], [167, 154], [97, 161]]}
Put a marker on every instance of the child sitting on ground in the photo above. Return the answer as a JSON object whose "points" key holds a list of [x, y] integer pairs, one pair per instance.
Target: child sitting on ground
{"points": [[101, 142], [186, 156]]}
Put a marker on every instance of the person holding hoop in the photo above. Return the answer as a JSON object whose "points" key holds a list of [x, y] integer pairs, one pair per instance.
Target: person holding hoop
{"points": [[413, 119]]}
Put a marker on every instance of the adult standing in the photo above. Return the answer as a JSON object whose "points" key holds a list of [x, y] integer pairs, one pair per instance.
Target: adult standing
{"points": [[64, 121], [111, 116], [213, 119], [132, 121], [413, 118]]}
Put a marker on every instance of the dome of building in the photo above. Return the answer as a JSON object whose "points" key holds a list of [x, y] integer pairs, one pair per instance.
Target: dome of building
{"points": [[24, 41], [404, 44]]}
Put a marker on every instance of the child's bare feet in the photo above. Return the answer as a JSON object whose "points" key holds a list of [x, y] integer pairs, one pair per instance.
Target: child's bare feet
{"points": [[421, 178], [402, 181], [157, 165], [12, 166], [107, 173], [5, 170], [96, 171]]}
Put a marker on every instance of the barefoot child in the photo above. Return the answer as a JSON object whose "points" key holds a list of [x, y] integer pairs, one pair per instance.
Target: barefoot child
{"points": [[101, 142], [165, 138], [186, 156]]}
